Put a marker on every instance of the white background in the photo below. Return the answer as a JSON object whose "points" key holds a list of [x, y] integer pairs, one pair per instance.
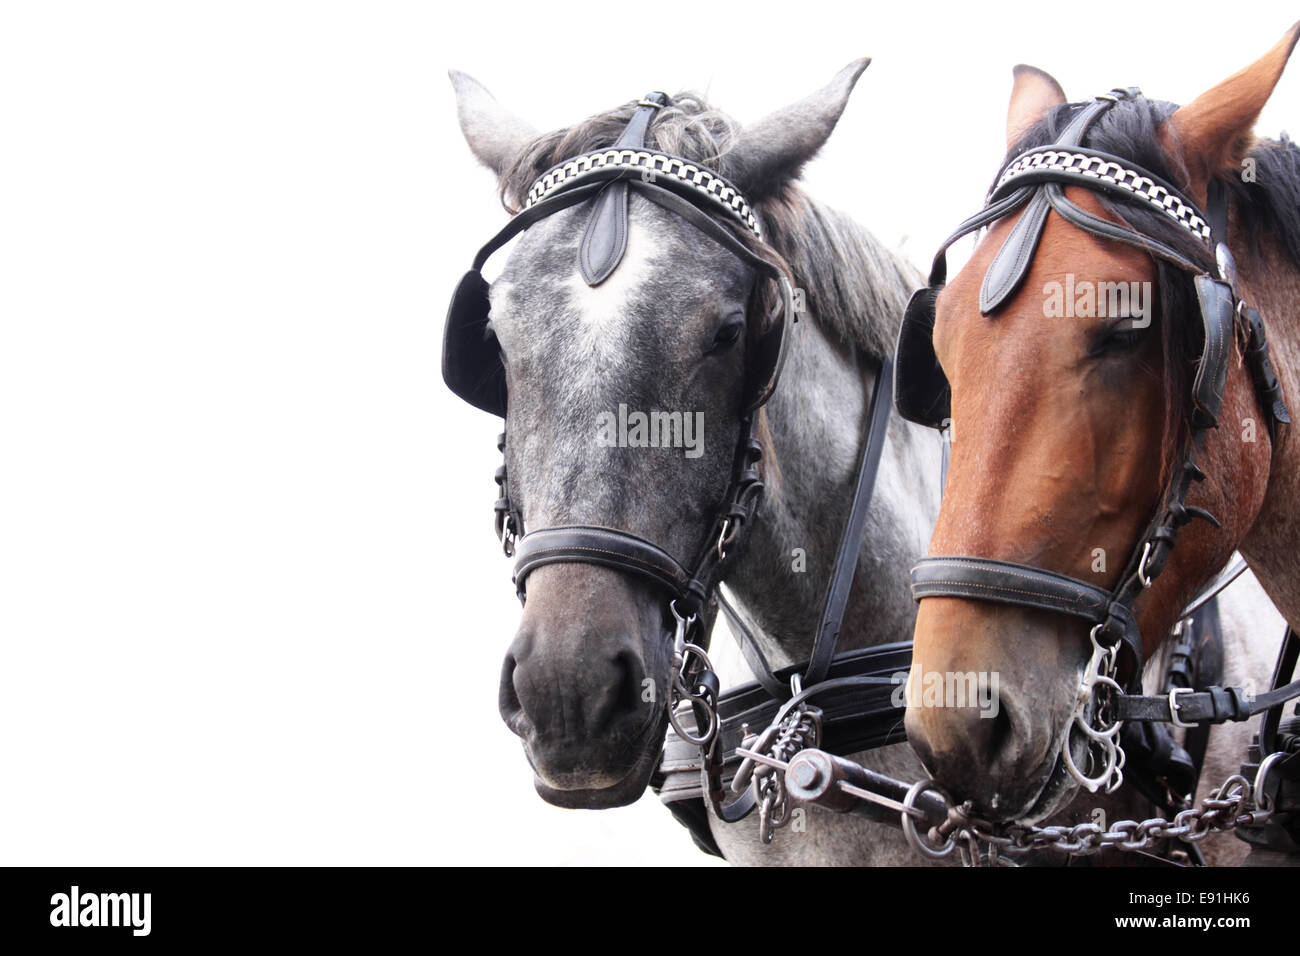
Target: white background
{"points": [[251, 608]]}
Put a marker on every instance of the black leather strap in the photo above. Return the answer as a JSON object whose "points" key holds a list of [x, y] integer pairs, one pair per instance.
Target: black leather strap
{"points": [[534, 214], [669, 199], [605, 239], [1216, 209], [1267, 387], [989, 214], [608, 547], [1011, 263], [1004, 582], [1215, 705], [839, 588], [1077, 216], [846, 558], [984, 579], [1288, 656]]}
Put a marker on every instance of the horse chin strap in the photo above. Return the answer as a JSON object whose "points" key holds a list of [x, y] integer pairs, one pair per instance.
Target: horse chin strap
{"points": [[1036, 181]]}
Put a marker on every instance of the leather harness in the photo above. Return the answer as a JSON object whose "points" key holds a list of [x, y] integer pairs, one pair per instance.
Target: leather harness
{"points": [[856, 689]]}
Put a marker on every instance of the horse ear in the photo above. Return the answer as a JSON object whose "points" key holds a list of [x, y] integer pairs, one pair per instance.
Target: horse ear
{"points": [[774, 150], [1033, 94], [1212, 134], [495, 135]]}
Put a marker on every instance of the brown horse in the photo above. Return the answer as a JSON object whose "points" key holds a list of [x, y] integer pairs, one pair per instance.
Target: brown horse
{"points": [[1065, 425]]}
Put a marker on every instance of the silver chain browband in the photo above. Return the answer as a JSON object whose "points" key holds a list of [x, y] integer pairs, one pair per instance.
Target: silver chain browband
{"points": [[1091, 169], [651, 164]]}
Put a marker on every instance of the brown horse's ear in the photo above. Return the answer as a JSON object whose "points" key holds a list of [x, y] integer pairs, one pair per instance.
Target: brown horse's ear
{"points": [[1032, 95], [1212, 134]]}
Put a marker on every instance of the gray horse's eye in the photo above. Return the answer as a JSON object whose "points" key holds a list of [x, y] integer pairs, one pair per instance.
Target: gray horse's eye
{"points": [[727, 334]]}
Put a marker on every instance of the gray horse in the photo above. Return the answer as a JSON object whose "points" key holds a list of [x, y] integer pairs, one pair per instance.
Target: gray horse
{"points": [[655, 336]]}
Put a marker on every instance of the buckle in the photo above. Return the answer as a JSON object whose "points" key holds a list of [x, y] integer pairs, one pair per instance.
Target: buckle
{"points": [[1173, 707]]}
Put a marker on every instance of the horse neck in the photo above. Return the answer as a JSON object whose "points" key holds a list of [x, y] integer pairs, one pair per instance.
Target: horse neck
{"points": [[816, 425], [1272, 282]]}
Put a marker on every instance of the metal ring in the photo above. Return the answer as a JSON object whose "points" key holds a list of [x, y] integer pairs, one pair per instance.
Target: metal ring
{"points": [[918, 842], [693, 739], [1143, 576], [1111, 651], [508, 535], [694, 650], [1262, 799], [1116, 783], [1100, 733], [683, 626], [1091, 784], [726, 536]]}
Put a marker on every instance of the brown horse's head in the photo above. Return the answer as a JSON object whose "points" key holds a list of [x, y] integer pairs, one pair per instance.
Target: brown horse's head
{"points": [[1065, 420]]}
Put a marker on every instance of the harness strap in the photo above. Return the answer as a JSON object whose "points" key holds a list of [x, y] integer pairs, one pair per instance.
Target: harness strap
{"points": [[1011, 263], [1004, 582], [846, 559], [1214, 705], [604, 546], [985, 579], [605, 239]]}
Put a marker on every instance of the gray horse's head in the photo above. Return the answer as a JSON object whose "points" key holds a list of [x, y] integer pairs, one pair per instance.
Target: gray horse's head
{"points": [[585, 680]]}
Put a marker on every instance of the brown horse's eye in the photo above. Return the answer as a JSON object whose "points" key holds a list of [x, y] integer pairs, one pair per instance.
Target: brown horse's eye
{"points": [[1117, 340]]}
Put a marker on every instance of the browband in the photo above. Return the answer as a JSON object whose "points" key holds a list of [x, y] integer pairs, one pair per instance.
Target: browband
{"points": [[649, 166], [1102, 171]]}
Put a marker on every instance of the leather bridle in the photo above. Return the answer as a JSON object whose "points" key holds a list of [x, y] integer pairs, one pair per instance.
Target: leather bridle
{"points": [[605, 184], [473, 369]]}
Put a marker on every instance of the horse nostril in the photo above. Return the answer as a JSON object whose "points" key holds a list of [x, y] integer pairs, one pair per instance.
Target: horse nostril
{"points": [[1000, 734], [508, 703]]}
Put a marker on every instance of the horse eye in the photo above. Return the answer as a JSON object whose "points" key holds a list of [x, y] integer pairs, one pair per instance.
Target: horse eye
{"points": [[727, 335], [1120, 340]]}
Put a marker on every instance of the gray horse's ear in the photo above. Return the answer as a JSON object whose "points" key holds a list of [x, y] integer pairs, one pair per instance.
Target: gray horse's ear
{"points": [[774, 150], [1034, 93], [495, 135]]}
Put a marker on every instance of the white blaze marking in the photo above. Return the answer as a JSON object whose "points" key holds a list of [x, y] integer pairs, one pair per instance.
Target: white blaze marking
{"points": [[602, 332]]}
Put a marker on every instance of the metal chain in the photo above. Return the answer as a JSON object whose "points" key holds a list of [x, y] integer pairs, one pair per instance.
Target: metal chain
{"points": [[1224, 809], [801, 729]]}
